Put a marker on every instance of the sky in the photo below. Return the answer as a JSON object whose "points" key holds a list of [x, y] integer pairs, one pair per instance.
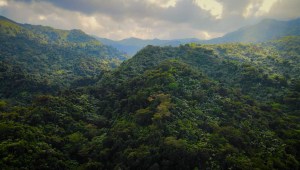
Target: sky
{"points": [[149, 19]]}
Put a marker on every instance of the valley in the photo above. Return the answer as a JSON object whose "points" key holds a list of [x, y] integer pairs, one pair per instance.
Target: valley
{"points": [[70, 101]]}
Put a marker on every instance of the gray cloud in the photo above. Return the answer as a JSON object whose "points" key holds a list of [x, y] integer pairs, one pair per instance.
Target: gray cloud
{"points": [[285, 9], [119, 19]]}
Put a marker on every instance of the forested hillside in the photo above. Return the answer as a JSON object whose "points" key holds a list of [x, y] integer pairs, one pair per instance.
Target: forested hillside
{"points": [[225, 106], [37, 59]]}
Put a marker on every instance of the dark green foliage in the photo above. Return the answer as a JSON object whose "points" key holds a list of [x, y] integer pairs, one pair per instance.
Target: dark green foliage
{"points": [[229, 106], [207, 123], [42, 59]]}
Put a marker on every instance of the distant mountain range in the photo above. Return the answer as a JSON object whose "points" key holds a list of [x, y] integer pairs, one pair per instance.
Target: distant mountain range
{"points": [[69, 102], [268, 29], [132, 45]]}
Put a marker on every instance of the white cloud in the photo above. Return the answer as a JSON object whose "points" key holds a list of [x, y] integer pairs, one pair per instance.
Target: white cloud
{"points": [[89, 23], [258, 8], [248, 11], [206, 35], [164, 3], [42, 17], [3, 3], [214, 7], [148, 19], [265, 7]]}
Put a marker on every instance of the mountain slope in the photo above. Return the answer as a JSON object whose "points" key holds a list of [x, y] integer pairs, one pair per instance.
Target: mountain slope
{"points": [[225, 106], [231, 64], [268, 29], [53, 57], [232, 106], [170, 108]]}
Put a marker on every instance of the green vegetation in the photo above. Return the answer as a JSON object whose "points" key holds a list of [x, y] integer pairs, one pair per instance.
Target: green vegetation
{"points": [[227, 106], [36, 59]]}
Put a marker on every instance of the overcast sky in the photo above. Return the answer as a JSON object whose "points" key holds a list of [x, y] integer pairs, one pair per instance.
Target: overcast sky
{"points": [[148, 19]]}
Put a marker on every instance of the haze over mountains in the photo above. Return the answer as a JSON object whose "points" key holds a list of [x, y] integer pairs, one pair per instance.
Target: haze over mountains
{"points": [[132, 45], [67, 101], [267, 29]]}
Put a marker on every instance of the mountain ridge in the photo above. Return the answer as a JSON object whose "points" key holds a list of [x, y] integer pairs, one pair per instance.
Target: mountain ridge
{"points": [[267, 29], [132, 45], [77, 105], [52, 57]]}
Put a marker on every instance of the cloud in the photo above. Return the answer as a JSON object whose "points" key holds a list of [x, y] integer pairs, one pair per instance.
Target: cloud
{"points": [[259, 8], [3, 3], [165, 19], [214, 7], [42, 17], [164, 3], [285, 9]]}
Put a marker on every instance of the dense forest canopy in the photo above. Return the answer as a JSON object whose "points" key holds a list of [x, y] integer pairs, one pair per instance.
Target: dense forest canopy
{"points": [[69, 102], [43, 59]]}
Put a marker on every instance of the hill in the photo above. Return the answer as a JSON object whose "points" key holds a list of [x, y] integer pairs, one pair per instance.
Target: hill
{"points": [[227, 106], [51, 57], [224, 106], [204, 106], [267, 29]]}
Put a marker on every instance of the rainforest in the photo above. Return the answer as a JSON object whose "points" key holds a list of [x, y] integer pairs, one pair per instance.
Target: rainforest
{"points": [[70, 101]]}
